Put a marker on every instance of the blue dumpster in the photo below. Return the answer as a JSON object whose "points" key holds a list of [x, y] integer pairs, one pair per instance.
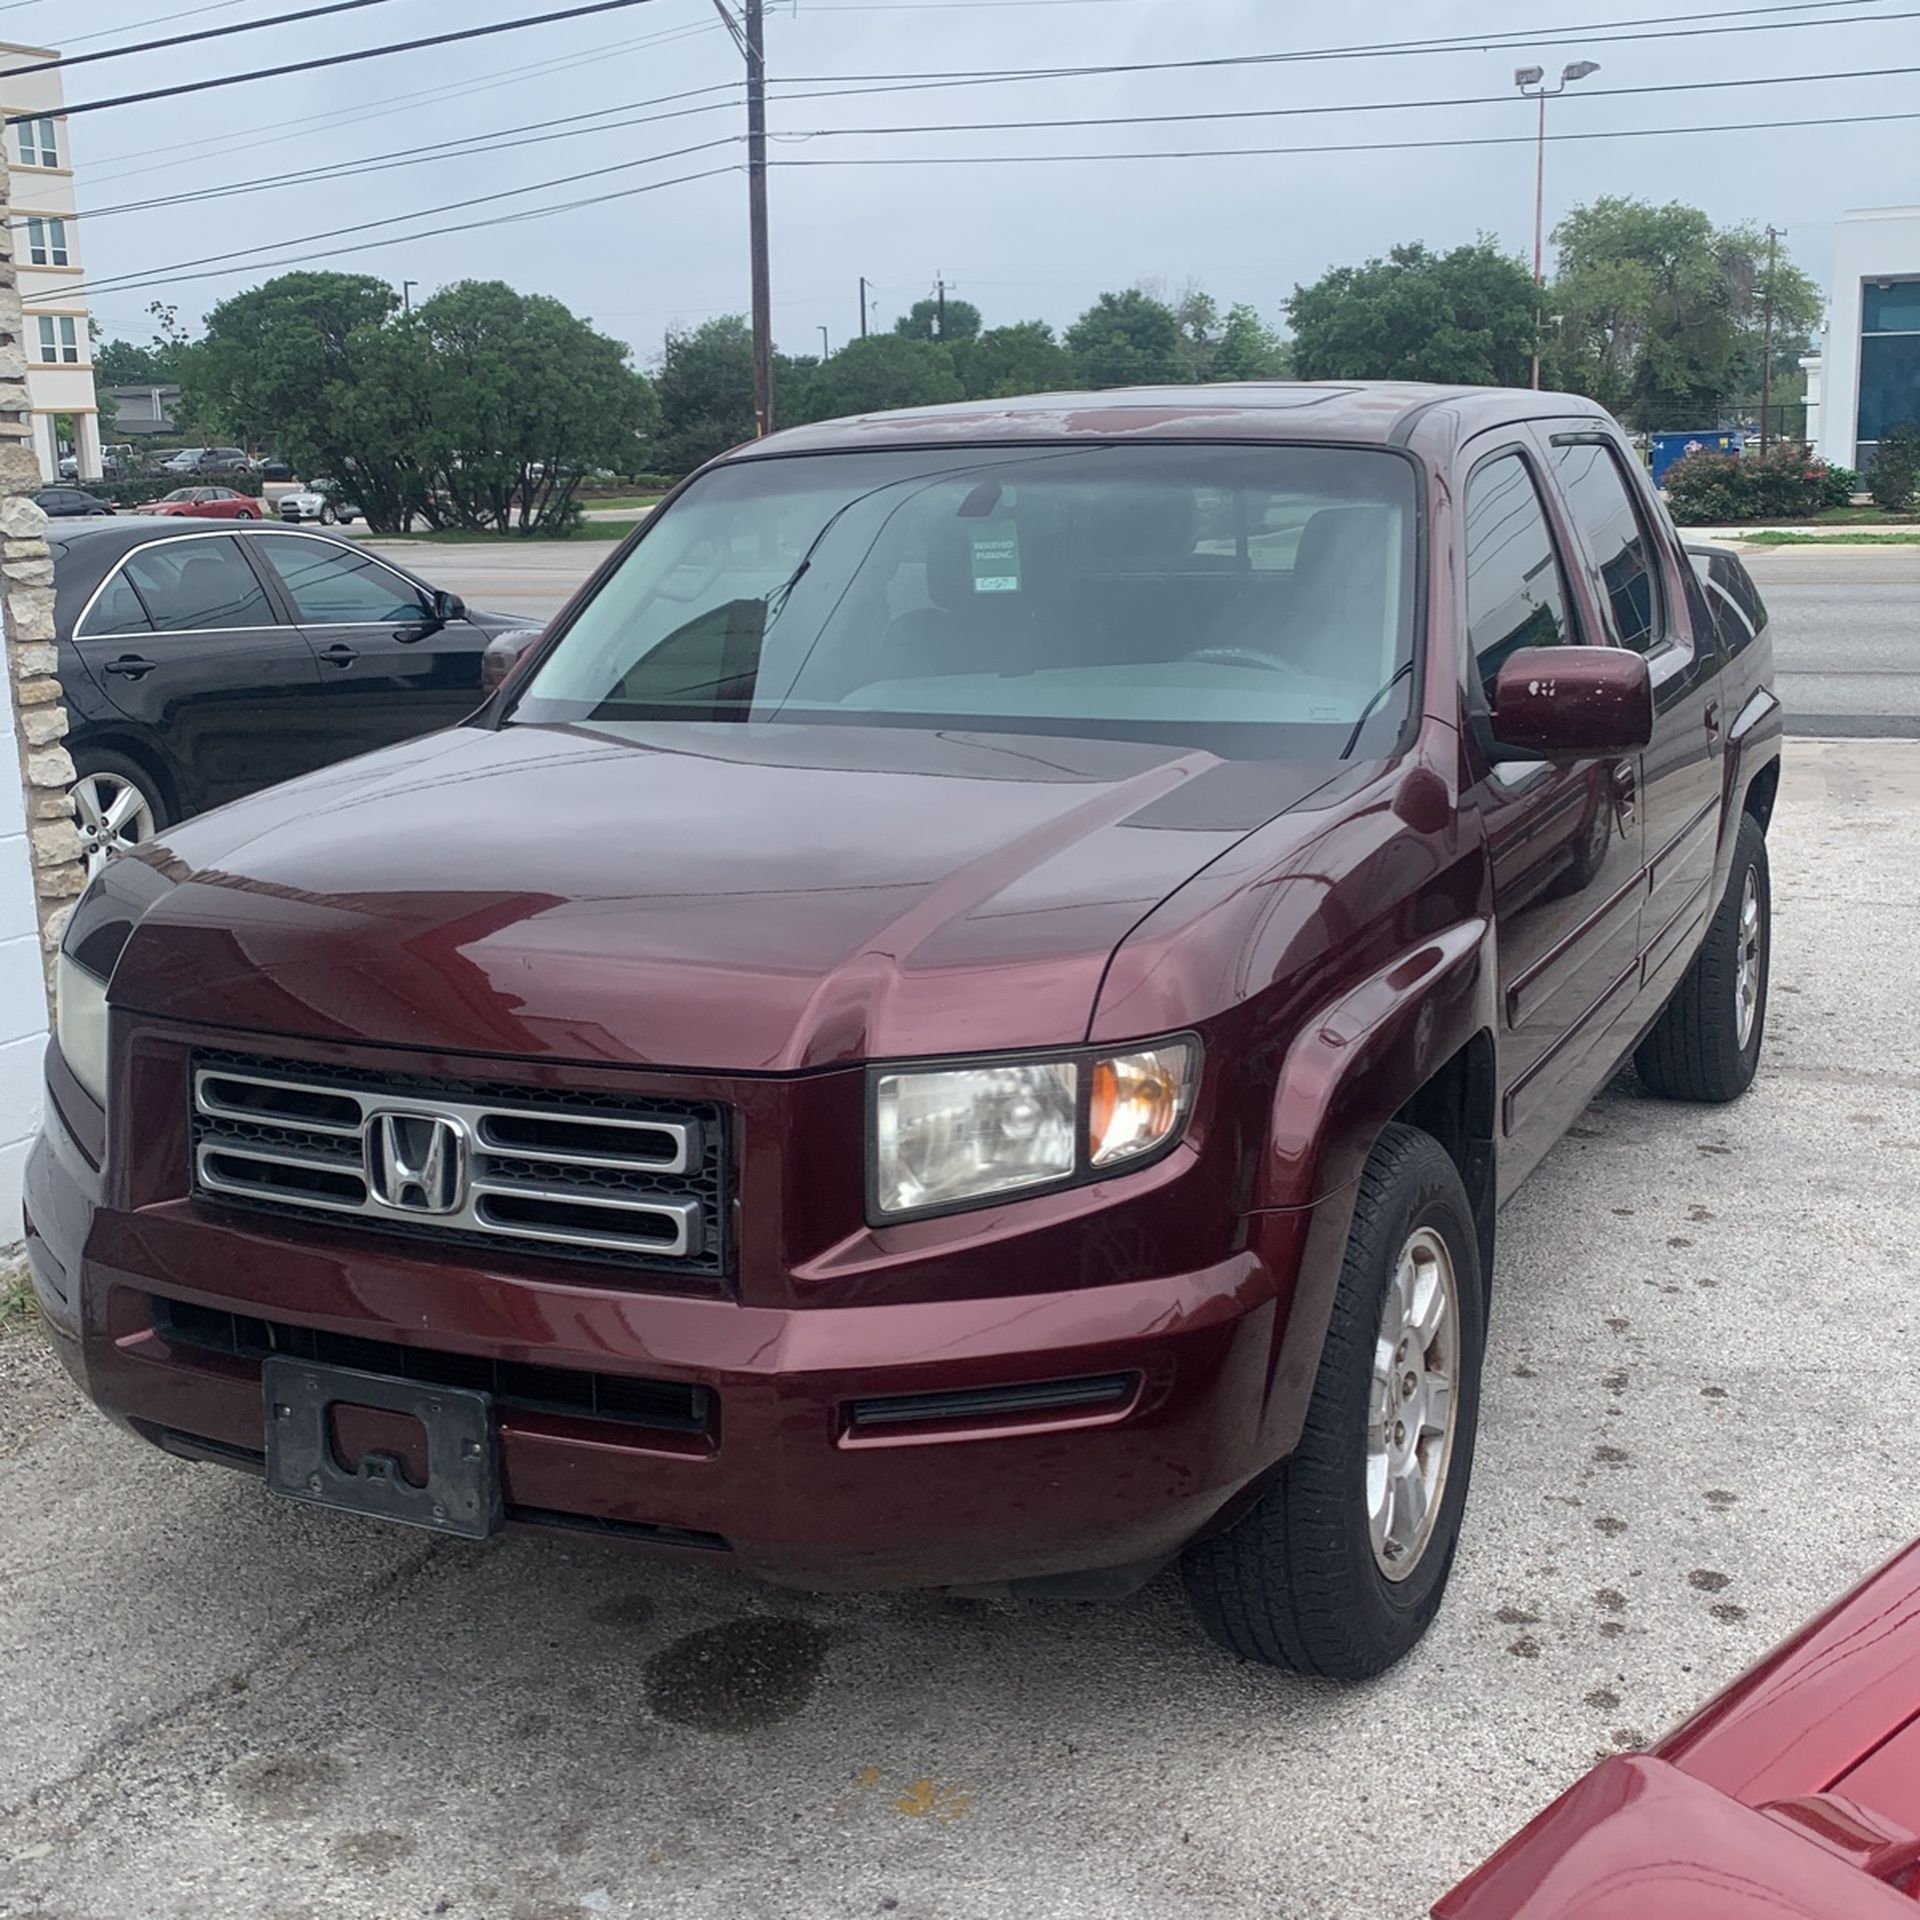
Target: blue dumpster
{"points": [[1670, 447]]}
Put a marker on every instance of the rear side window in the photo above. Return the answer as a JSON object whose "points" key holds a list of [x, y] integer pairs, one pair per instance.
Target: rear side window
{"points": [[1515, 594], [197, 585], [332, 588], [1603, 510]]}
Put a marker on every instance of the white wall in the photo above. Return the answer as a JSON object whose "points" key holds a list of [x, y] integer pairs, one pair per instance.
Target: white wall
{"points": [[1880, 243], [23, 1005]]}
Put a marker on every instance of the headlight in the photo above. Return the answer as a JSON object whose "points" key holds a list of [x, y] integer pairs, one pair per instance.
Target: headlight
{"points": [[80, 1023], [957, 1136]]}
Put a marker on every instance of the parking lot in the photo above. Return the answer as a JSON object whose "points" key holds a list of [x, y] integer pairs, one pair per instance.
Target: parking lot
{"points": [[1698, 1430]]}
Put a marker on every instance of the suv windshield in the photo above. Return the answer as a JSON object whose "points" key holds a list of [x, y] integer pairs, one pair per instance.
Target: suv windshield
{"points": [[1194, 594]]}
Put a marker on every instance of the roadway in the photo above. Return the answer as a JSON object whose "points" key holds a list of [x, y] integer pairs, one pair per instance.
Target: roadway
{"points": [[1846, 623]]}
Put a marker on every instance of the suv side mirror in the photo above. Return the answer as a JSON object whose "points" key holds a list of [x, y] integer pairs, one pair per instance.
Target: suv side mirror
{"points": [[1573, 703], [505, 655]]}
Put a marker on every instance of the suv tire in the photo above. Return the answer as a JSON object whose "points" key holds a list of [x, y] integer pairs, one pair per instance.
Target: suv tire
{"points": [[1706, 1044], [1301, 1579]]}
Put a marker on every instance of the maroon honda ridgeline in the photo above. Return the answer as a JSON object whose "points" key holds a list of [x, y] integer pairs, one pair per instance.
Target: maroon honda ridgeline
{"points": [[964, 1019]]}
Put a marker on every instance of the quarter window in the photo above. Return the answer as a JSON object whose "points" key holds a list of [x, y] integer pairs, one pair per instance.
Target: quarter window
{"points": [[332, 588], [37, 145], [46, 243], [197, 585], [1516, 596], [118, 610], [59, 339], [1616, 537]]}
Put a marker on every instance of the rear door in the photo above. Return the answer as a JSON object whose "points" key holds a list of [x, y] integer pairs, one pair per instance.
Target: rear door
{"points": [[186, 642], [1563, 841], [391, 671], [1648, 600]]}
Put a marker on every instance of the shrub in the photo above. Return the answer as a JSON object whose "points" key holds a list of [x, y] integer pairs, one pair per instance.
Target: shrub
{"points": [[1896, 469], [133, 493], [1784, 483]]}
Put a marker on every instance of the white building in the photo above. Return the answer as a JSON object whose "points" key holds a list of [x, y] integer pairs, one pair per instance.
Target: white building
{"points": [[46, 250], [1868, 377]]}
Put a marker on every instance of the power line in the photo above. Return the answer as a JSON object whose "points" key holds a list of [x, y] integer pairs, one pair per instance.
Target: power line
{"points": [[162, 276], [385, 105], [343, 59], [1375, 106], [152, 20], [204, 33]]}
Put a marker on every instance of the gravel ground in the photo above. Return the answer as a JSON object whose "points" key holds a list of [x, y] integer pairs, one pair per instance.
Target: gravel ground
{"points": [[1697, 1432]]}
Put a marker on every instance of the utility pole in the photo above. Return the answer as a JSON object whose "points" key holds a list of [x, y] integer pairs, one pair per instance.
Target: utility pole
{"points": [[1774, 236], [863, 306], [757, 215], [406, 294], [939, 308]]}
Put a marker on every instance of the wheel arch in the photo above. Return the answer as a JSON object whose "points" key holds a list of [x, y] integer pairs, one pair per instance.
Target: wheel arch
{"points": [[129, 746]]}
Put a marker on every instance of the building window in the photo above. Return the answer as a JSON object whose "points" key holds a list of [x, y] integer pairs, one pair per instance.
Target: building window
{"points": [[59, 339], [1889, 362], [46, 243], [37, 145]]}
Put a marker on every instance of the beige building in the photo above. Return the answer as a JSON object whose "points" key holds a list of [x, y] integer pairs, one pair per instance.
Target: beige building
{"points": [[45, 238]]}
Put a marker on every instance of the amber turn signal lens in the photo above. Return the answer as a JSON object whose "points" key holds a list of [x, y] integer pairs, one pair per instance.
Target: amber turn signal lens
{"points": [[1139, 1102]]}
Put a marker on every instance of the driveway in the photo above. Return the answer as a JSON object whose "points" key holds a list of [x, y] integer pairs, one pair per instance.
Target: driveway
{"points": [[1698, 1431]]}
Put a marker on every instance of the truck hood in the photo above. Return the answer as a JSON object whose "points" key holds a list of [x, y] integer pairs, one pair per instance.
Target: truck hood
{"points": [[735, 899]]}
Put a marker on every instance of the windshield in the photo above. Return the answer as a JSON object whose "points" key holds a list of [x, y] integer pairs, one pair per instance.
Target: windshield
{"points": [[1190, 594]]}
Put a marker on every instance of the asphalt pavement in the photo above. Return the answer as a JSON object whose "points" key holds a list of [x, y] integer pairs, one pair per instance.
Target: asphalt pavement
{"points": [[1846, 628], [1846, 624], [1698, 1431]]}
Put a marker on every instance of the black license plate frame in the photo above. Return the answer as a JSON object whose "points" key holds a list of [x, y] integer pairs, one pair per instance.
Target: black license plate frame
{"points": [[462, 1495]]}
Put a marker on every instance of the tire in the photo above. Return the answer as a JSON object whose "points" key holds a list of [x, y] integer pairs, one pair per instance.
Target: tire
{"points": [[1298, 1581], [328, 516], [1706, 1043], [100, 779]]}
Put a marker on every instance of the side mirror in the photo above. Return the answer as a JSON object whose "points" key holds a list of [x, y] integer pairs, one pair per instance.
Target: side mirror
{"points": [[1573, 703], [448, 607], [506, 654]]}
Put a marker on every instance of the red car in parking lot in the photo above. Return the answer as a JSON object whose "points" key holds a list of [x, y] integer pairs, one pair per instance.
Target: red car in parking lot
{"points": [[964, 1019], [208, 503]]}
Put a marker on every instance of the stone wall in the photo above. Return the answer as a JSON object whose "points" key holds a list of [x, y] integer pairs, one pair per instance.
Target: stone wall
{"points": [[40, 857]]}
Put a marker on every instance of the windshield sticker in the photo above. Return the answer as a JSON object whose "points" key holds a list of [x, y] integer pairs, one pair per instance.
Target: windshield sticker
{"points": [[996, 558]]}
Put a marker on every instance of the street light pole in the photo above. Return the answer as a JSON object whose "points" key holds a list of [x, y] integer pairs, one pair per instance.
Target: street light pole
{"points": [[826, 352], [1530, 81]]}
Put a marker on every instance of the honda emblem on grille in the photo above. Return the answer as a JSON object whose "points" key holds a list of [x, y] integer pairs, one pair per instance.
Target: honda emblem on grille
{"points": [[417, 1162]]}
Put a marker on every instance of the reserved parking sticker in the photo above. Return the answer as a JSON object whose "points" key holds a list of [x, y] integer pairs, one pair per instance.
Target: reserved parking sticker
{"points": [[996, 558]]}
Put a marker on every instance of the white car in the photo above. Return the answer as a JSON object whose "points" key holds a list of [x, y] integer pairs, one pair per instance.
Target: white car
{"points": [[317, 501]]}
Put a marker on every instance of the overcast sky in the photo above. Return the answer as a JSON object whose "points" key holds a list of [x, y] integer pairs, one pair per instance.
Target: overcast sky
{"points": [[1021, 241]]}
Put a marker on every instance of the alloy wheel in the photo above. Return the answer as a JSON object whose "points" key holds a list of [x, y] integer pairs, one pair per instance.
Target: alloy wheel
{"points": [[1410, 1413], [112, 815], [1747, 964]]}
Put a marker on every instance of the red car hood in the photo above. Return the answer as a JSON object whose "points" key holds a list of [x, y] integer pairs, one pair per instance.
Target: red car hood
{"points": [[733, 899], [1794, 1796]]}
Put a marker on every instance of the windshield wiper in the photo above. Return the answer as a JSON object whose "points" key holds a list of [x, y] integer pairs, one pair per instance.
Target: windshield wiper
{"points": [[1367, 712]]}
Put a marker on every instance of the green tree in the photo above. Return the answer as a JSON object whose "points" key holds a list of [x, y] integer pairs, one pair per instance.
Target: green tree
{"points": [[705, 384], [923, 321], [525, 400], [875, 375], [1248, 349], [1005, 361], [1660, 315], [281, 360], [120, 363], [1127, 339], [1467, 316]]}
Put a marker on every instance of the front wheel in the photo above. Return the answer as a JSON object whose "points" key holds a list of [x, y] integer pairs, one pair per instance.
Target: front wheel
{"points": [[1341, 1565], [328, 516], [1706, 1045]]}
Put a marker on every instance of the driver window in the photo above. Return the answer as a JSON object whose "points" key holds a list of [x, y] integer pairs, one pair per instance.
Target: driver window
{"points": [[1516, 587]]}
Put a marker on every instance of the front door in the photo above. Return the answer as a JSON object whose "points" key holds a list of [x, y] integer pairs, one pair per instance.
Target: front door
{"points": [[391, 670], [1649, 600], [184, 641], [1564, 841]]}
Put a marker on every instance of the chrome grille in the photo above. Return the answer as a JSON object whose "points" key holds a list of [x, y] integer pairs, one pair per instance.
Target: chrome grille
{"points": [[595, 1176]]}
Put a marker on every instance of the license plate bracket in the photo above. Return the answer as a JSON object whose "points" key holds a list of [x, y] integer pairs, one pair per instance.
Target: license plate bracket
{"points": [[462, 1493]]}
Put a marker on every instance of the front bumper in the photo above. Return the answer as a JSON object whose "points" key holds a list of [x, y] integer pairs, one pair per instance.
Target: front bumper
{"points": [[787, 1479]]}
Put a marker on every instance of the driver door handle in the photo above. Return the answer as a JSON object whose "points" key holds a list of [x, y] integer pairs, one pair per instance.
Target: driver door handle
{"points": [[339, 654], [131, 666]]}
